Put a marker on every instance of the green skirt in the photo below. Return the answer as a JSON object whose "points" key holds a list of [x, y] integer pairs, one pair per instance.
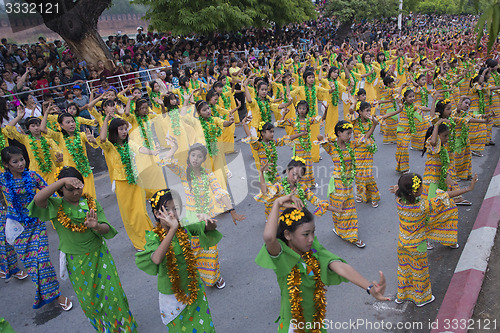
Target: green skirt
{"points": [[99, 290]]}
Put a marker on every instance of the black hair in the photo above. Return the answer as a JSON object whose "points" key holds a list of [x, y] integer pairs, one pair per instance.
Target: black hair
{"points": [[407, 93], [265, 127], [194, 147], [60, 120], [139, 103], [160, 198], [183, 80], [166, 101], [388, 80], [361, 91], [152, 84], [475, 78], [363, 106], [113, 129], [218, 84], [420, 76], [108, 102], [331, 70], [199, 104], [282, 226], [210, 94], [8, 152], [442, 128], [302, 103], [260, 84], [66, 172], [75, 105], [405, 187], [339, 127], [307, 73], [440, 106], [32, 120], [293, 163], [364, 55]]}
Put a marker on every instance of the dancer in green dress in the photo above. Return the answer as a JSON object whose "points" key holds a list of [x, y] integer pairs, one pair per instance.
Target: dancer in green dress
{"points": [[304, 267], [168, 254], [82, 226]]}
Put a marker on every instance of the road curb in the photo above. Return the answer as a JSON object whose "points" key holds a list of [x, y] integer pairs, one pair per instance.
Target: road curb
{"points": [[458, 305]]}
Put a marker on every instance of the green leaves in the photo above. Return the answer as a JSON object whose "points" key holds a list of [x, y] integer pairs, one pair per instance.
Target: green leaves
{"points": [[490, 18], [346, 11], [204, 16]]}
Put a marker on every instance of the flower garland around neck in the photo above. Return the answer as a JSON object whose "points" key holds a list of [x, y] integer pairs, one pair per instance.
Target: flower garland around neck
{"points": [[373, 147], [173, 269], [175, 120], [75, 148], [481, 101], [211, 132], [77, 125], [130, 171], [444, 83], [146, 134], [410, 112], [370, 78], [424, 96], [265, 109], [201, 196], [354, 80], [184, 91], [445, 162], [285, 93], [154, 95], [300, 190], [44, 163], [400, 66], [216, 113], [464, 135], [452, 138], [294, 280], [335, 92], [3, 142], [346, 181], [226, 100], [66, 221], [17, 200], [304, 142], [311, 100], [195, 84], [272, 157]]}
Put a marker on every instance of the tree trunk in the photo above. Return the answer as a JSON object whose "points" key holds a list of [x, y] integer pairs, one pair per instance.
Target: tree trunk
{"points": [[76, 23], [343, 32], [91, 48]]}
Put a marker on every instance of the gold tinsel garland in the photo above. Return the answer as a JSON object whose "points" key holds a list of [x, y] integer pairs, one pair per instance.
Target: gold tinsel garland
{"points": [[294, 282], [173, 270], [66, 221]]}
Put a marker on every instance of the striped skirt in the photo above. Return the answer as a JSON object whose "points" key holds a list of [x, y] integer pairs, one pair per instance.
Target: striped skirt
{"points": [[308, 178], [8, 256], [414, 282], [366, 186], [463, 165], [495, 108], [345, 223], [402, 155], [99, 290], [33, 249], [442, 225], [207, 262], [478, 136], [417, 139], [388, 128]]}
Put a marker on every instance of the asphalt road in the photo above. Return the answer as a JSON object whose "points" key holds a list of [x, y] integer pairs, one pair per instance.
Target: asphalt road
{"points": [[250, 301]]}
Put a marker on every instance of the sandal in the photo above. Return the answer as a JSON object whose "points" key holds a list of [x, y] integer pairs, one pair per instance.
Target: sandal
{"points": [[456, 246], [374, 204], [220, 284], [67, 305], [359, 243], [429, 246], [358, 199], [398, 301], [463, 203], [429, 301], [21, 275], [335, 231], [475, 153]]}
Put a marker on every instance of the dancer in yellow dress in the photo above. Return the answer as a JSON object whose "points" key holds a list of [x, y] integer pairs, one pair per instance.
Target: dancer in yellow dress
{"points": [[72, 145], [131, 198]]}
